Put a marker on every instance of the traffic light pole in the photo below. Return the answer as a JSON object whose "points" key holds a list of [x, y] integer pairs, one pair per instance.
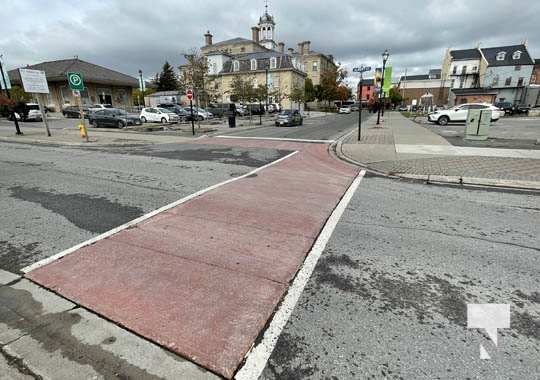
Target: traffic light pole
{"points": [[9, 97]]}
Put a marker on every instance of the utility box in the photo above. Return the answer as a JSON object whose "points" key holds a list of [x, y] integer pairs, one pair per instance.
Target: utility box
{"points": [[478, 122]]}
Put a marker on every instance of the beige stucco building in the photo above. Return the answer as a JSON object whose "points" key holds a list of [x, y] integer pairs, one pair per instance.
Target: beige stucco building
{"points": [[263, 62]]}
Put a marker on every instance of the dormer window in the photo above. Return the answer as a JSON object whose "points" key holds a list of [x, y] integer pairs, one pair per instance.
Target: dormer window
{"points": [[501, 56], [517, 54], [236, 66], [253, 64], [273, 62]]}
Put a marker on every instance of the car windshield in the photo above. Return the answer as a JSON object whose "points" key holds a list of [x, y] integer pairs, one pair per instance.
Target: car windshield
{"points": [[165, 110], [33, 107], [120, 112], [285, 113]]}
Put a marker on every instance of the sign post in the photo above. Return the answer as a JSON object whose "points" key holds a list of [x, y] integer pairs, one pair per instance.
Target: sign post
{"points": [[35, 82], [189, 94], [362, 69], [6, 85], [76, 84]]}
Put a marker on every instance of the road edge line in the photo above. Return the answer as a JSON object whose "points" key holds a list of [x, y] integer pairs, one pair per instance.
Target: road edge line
{"points": [[258, 357], [144, 217], [275, 139]]}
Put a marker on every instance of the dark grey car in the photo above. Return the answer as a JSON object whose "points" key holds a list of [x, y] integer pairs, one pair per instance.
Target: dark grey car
{"points": [[112, 117], [289, 118]]}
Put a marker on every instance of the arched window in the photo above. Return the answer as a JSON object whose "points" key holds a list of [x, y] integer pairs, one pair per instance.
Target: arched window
{"points": [[236, 66], [501, 56], [273, 62], [517, 54], [253, 64]]}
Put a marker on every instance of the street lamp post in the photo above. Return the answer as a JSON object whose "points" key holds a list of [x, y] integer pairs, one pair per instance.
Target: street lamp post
{"points": [[362, 69], [141, 89], [385, 56], [17, 129]]}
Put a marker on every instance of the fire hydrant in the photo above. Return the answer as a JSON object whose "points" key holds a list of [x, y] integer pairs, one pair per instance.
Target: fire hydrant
{"points": [[82, 131]]}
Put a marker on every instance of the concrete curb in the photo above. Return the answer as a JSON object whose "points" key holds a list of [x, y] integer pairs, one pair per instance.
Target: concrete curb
{"points": [[440, 179]]}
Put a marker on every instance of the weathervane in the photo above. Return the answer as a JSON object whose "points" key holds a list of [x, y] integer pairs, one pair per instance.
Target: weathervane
{"points": [[266, 6]]}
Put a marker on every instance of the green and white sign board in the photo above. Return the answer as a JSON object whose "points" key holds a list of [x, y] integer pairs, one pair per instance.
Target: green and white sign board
{"points": [[75, 81], [387, 80]]}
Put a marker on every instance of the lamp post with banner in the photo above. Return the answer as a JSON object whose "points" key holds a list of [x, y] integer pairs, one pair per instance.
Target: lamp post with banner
{"points": [[385, 56], [362, 69]]}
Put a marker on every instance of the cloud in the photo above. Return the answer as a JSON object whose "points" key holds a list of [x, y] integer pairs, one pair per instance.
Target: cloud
{"points": [[131, 35]]}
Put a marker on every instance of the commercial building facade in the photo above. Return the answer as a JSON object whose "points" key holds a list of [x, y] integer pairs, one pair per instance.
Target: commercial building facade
{"points": [[103, 85]]}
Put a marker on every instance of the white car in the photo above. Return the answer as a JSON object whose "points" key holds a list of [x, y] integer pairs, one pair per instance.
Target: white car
{"points": [[459, 113], [160, 115], [344, 110], [97, 107]]}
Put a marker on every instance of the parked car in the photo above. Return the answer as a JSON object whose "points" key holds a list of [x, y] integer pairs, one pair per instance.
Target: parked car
{"points": [[355, 107], [199, 113], [521, 109], [219, 109], [507, 107], [344, 110], [160, 115], [112, 117], [289, 118], [403, 109], [27, 112], [74, 112], [183, 115], [255, 109], [97, 107], [459, 113]]}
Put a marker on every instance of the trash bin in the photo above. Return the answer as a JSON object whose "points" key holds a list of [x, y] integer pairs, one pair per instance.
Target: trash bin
{"points": [[231, 113]]}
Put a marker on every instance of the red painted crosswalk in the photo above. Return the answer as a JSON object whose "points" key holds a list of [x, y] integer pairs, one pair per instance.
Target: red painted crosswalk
{"points": [[204, 277]]}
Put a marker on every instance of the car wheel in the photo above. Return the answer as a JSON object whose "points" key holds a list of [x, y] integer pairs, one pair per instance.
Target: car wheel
{"points": [[143, 119], [443, 120], [120, 124], [163, 120], [95, 124]]}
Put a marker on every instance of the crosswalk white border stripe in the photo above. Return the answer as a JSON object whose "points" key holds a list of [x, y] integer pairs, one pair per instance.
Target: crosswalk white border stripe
{"points": [[258, 357], [140, 219]]}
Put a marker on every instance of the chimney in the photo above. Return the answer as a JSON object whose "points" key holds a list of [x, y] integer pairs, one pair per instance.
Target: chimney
{"points": [[281, 47], [300, 48], [331, 57], [208, 38], [291, 51], [307, 47], [255, 34]]}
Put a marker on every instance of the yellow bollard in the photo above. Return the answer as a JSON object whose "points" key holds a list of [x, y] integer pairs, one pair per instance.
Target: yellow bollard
{"points": [[82, 131]]}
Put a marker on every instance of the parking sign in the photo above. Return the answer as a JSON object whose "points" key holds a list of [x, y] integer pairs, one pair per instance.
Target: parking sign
{"points": [[75, 81]]}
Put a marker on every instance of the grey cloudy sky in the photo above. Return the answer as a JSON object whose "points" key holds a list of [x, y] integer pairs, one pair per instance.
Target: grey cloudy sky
{"points": [[128, 35]]}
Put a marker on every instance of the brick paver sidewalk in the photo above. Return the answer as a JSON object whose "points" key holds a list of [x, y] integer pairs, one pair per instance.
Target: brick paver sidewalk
{"points": [[377, 151]]}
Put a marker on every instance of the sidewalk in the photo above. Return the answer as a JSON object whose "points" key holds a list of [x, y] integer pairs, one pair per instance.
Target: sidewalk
{"points": [[405, 149]]}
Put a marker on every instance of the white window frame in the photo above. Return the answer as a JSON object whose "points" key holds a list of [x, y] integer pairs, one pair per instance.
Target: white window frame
{"points": [[273, 62], [253, 63], [236, 66], [517, 54], [501, 56]]}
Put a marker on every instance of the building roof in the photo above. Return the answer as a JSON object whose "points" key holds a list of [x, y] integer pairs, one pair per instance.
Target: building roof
{"points": [[465, 54], [367, 82], [435, 73], [284, 61], [57, 70], [415, 77], [237, 40], [508, 59]]}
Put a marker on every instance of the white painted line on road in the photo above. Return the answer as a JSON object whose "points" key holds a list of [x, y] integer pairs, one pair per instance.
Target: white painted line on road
{"points": [[140, 219], [259, 355], [276, 139]]}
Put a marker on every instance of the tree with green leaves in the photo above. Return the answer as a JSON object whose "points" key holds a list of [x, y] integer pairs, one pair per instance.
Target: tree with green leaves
{"points": [[309, 91], [167, 78], [331, 79], [297, 95], [395, 96], [194, 75]]}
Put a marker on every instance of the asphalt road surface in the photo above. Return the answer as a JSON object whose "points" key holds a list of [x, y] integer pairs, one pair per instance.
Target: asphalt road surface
{"points": [[388, 298], [318, 128], [53, 198]]}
